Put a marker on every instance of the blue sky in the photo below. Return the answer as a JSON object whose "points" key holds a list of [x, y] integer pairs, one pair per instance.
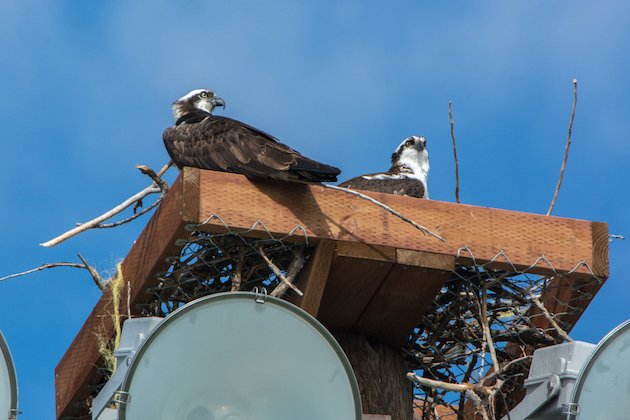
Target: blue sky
{"points": [[86, 92]]}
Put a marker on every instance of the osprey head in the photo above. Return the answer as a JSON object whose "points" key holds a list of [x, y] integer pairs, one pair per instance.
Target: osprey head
{"points": [[412, 156], [196, 100]]}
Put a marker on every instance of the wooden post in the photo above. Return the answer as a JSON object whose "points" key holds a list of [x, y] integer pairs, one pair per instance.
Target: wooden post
{"points": [[381, 374]]}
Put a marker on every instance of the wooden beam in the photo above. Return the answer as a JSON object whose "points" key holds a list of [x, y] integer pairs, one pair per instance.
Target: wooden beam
{"points": [[77, 367], [313, 279], [329, 214], [398, 305]]}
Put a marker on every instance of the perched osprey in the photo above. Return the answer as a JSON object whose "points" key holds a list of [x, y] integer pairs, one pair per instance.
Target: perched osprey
{"points": [[202, 140], [407, 175]]}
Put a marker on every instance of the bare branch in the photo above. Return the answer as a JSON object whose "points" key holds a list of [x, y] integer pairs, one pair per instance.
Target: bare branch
{"points": [[386, 207], [450, 114], [93, 273], [448, 386], [96, 222], [155, 177], [95, 276], [566, 150], [238, 276], [43, 267], [561, 332], [294, 269], [278, 273]]}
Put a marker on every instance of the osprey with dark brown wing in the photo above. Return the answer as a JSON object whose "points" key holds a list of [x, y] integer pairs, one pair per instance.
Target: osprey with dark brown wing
{"points": [[202, 140], [407, 175]]}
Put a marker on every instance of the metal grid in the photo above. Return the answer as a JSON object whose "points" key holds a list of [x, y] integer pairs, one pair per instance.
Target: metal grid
{"points": [[221, 262]]}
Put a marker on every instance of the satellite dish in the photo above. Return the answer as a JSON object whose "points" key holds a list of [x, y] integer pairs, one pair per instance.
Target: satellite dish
{"points": [[8, 383], [239, 356], [602, 388]]}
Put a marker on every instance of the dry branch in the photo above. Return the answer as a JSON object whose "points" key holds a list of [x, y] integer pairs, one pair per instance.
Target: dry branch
{"points": [[448, 386], [561, 332], [566, 150], [238, 275], [155, 187], [450, 114], [386, 207], [278, 273], [294, 269], [93, 273]]}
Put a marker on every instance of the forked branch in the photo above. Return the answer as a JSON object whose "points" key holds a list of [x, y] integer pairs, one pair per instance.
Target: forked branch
{"points": [[157, 186], [96, 277]]}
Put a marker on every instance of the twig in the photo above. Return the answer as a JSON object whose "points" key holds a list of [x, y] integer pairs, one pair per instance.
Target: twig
{"points": [[294, 268], [450, 114], [448, 386], [128, 299], [507, 366], [95, 276], [94, 223], [93, 273], [561, 332], [278, 273], [566, 150], [238, 275], [386, 207]]}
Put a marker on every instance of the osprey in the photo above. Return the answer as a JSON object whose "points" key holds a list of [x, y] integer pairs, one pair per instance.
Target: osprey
{"points": [[202, 140], [407, 175]]}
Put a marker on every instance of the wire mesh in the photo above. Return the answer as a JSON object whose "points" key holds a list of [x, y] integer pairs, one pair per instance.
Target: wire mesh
{"points": [[211, 263]]}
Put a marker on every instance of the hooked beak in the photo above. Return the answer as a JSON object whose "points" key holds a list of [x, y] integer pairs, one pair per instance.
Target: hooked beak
{"points": [[218, 102]]}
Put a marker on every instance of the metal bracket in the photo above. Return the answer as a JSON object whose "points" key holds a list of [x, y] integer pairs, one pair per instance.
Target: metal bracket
{"points": [[571, 409], [260, 296], [121, 397]]}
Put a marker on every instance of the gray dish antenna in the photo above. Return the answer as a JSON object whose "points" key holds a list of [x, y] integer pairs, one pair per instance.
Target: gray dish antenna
{"points": [[238, 356], [602, 389], [8, 383]]}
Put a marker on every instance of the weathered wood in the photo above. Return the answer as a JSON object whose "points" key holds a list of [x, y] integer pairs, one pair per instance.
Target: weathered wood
{"points": [[330, 214], [376, 417], [381, 374], [77, 367]]}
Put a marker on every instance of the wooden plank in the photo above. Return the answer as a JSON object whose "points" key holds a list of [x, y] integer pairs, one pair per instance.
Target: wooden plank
{"points": [[313, 280], [399, 303], [330, 214], [77, 367]]}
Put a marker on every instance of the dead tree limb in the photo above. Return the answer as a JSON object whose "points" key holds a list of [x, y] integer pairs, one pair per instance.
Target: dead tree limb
{"points": [[281, 278], [566, 150], [237, 278], [561, 332], [450, 114], [294, 269], [154, 188], [84, 265]]}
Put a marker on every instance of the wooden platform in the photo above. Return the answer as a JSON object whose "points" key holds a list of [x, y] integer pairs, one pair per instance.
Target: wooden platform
{"points": [[371, 272]]}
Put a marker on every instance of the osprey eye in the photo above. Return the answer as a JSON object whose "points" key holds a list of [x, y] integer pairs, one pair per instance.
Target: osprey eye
{"points": [[409, 143], [203, 95]]}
